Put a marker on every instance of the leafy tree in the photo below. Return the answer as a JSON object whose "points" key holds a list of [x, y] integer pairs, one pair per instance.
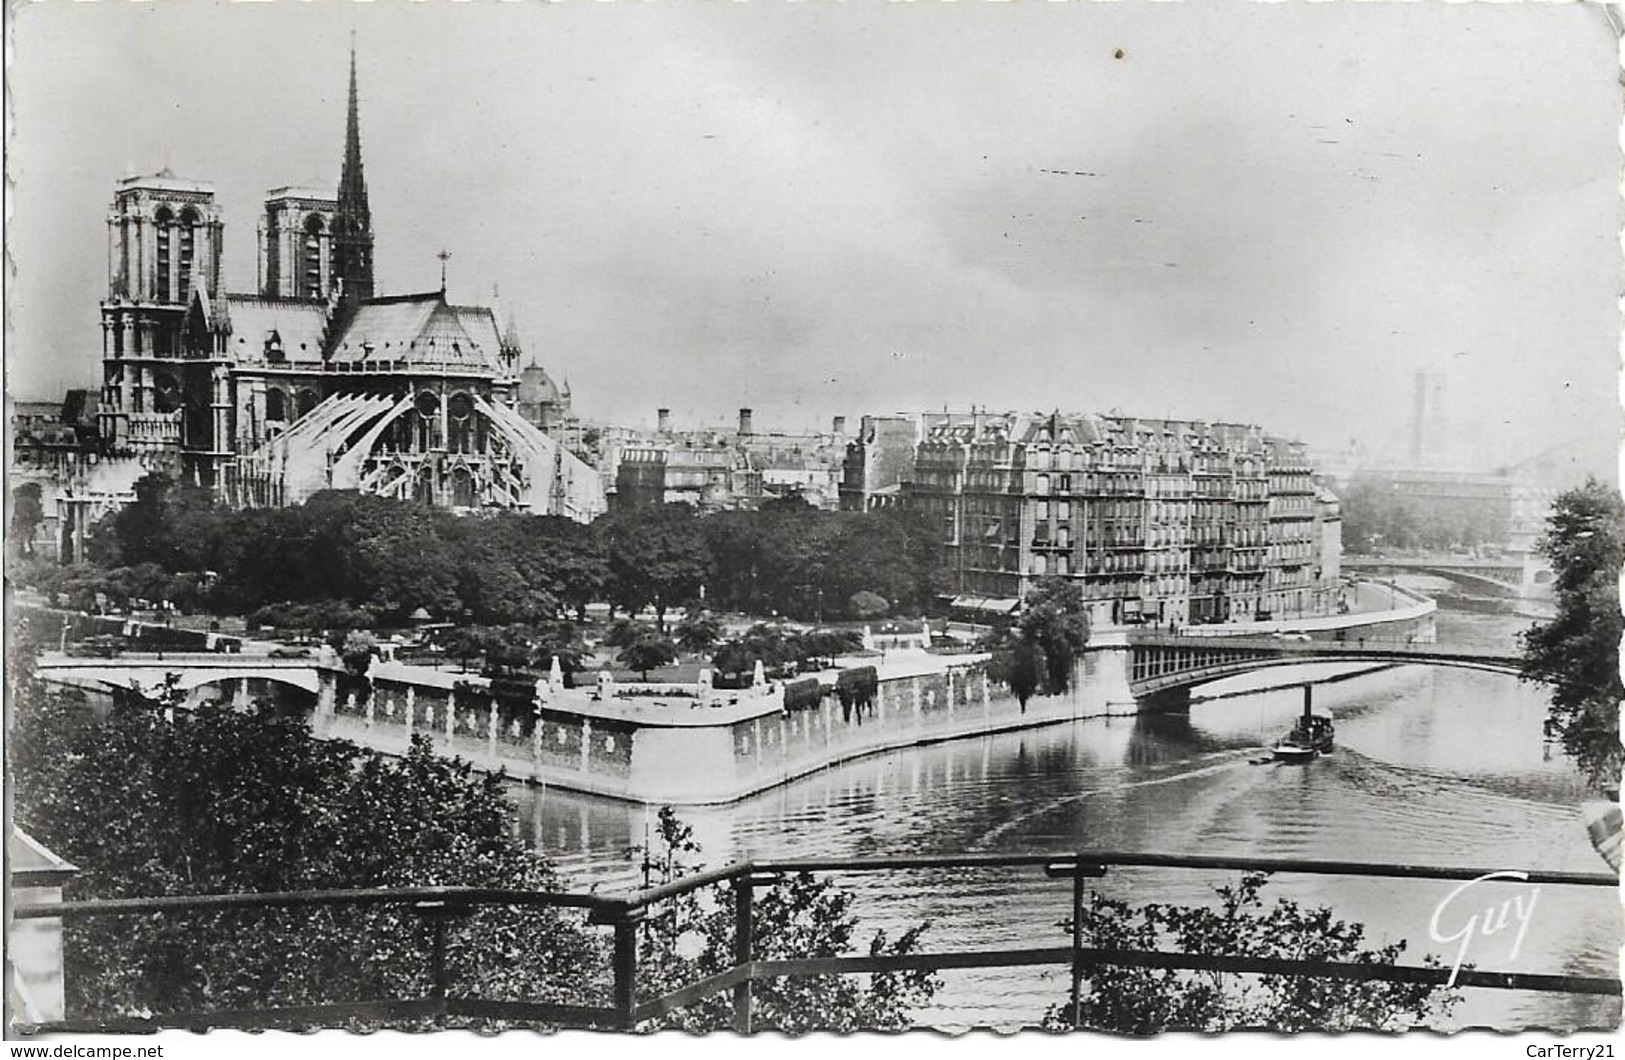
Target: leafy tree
{"points": [[1039, 651], [1577, 653], [762, 643], [1145, 1001], [823, 645], [648, 652], [1020, 666], [220, 800], [624, 631], [356, 648], [698, 631], [171, 523], [865, 604], [1054, 620], [507, 649], [27, 512], [559, 640], [689, 938], [656, 557]]}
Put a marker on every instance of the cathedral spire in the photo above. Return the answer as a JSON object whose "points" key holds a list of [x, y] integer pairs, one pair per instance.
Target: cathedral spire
{"points": [[352, 222]]}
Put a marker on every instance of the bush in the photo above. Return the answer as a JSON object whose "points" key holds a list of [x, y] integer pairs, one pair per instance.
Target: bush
{"points": [[865, 604], [803, 695], [1151, 1000]]}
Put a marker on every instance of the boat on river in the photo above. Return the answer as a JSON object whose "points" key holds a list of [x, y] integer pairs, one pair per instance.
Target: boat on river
{"points": [[1308, 740]]}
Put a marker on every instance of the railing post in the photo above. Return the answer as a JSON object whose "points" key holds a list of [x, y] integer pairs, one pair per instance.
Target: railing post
{"points": [[1077, 946], [440, 976], [1079, 870], [439, 916], [626, 970], [744, 894]]}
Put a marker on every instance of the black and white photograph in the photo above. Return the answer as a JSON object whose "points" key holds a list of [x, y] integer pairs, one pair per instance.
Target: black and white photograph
{"points": [[1085, 521]]}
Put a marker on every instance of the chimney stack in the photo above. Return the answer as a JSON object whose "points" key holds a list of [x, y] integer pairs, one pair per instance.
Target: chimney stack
{"points": [[838, 428], [663, 422], [744, 421]]}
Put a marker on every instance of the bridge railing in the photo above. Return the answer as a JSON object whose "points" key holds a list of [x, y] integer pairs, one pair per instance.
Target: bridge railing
{"points": [[621, 1005]]}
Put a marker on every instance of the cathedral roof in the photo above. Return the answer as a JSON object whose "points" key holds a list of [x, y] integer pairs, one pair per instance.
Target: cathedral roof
{"points": [[481, 324], [300, 325], [164, 180], [420, 329], [312, 190]]}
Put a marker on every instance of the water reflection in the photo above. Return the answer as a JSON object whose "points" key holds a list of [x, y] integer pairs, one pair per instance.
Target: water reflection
{"points": [[1433, 766]]}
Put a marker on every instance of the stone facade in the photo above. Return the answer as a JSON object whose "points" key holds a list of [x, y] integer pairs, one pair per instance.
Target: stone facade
{"points": [[1159, 521], [313, 382]]}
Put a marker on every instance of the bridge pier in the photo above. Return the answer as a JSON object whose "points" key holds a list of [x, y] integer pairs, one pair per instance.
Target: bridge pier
{"points": [[1167, 701], [327, 692]]}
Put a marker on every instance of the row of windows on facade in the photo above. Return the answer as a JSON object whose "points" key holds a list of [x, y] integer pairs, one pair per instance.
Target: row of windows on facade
{"points": [[994, 557], [1040, 459], [1132, 532]]}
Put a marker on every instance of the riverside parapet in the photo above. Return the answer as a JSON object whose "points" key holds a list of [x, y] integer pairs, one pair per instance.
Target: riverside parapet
{"points": [[682, 744]]}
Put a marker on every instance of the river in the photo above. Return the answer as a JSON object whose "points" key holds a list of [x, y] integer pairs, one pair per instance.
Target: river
{"points": [[1433, 766]]}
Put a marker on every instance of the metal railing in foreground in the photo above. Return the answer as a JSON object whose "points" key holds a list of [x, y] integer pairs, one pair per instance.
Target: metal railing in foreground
{"points": [[622, 915]]}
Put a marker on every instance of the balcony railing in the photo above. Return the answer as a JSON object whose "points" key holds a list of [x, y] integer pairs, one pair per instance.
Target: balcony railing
{"points": [[623, 914]]}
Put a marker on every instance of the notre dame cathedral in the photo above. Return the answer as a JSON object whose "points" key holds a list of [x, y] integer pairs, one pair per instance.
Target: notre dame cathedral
{"points": [[315, 381]]}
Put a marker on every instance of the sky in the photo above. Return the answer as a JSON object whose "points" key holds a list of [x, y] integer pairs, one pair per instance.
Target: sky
{"points": [[1268, 213]]}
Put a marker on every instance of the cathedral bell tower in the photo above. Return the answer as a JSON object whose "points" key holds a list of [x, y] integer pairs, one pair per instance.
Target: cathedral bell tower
{"points": [[352, 220], [163, 245]]}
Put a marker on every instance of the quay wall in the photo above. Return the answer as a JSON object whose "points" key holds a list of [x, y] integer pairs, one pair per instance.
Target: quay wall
{"points": [[675, 749]]}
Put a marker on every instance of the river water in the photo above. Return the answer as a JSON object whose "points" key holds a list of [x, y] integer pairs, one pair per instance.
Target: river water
{"points": [[1433, 766]]}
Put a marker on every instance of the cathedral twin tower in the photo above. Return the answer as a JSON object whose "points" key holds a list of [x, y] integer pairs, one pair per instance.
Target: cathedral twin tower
{"points": [[313, 381]]}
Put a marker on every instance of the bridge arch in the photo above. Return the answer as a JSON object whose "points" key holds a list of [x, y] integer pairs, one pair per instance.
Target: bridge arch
{"points": [[1160, 669], [307, 680]]}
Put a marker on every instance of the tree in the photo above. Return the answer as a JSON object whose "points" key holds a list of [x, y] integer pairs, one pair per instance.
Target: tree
{"points": [[27, 512], [1054, 620], [656, 557], [1576, 654], [865, 604], [1146, 1001], [698, 631], [356, 648], [559, 640], [1040, 650], [1020, 666], [691, 937], [648, 652], [219, 800]]}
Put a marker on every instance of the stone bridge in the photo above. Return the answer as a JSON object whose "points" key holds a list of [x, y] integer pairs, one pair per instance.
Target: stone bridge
{"points": [[1517, 574], [150, 672], [1163, 668]]}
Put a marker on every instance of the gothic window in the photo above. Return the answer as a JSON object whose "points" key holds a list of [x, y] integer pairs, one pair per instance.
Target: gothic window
{"points": [[462, 488], [166, 393], [305, 402], [164, 221], [188, 232], [276, 405], [310, 278], [460, 411]]}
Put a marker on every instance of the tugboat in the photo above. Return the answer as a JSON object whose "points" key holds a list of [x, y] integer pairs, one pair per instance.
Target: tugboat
{"points": [[1308, 740]]}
